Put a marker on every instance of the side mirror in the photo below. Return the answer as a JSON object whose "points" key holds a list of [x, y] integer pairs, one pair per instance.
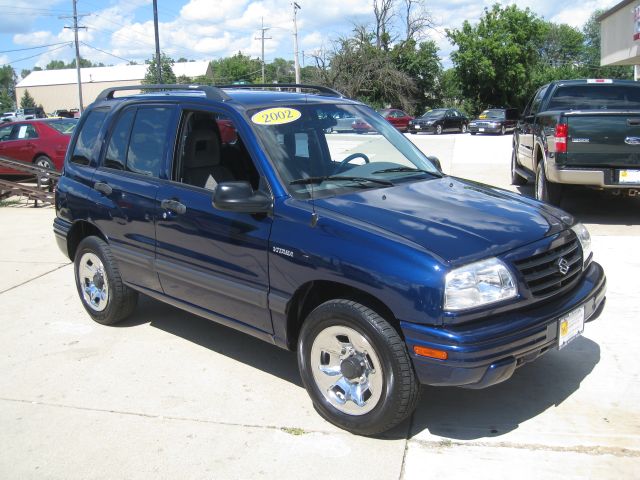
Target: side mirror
{"points": [[241, 198], [436, 162]]}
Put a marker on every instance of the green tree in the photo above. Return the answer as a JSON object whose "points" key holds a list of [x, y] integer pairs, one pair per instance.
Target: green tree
{"points": [[6, 101], [55, 65], [280, 71], [561, 45], [591, 53], [421, 63], [166, 71], [27, 101], [495, 58], [237, 68]]}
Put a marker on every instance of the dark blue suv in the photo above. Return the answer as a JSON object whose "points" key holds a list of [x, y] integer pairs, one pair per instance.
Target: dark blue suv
{"points": [[238, 205]]}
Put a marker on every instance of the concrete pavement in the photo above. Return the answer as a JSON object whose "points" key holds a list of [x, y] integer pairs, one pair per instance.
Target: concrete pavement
{"points": [[170, 395]]}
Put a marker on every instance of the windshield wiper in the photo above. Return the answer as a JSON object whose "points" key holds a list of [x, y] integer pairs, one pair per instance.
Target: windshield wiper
{"points": [[406, 169], [319, 180]]}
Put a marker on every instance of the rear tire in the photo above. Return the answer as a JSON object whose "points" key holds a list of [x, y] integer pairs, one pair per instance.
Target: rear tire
{"points": [[356, 368], [102, 292], [503, 130], [463, 128], [547, 191]]}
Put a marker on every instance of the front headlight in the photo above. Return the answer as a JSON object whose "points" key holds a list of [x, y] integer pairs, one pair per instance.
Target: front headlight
{"points": [[585, 241], [477, 284]]}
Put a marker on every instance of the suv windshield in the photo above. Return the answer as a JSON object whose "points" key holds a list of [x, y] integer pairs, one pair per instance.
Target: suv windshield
{"points": [[310, 159]]}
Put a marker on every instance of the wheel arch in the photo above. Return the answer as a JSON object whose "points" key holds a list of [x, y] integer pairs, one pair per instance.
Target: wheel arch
{"points": [[80, 230], [314, 293]]}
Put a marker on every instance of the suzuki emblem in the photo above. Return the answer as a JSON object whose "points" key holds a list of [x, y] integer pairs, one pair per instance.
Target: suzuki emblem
{"points": [[563, 266]]}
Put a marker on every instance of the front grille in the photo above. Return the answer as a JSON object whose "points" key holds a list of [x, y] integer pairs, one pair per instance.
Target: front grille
{"points": [[542, 273]]}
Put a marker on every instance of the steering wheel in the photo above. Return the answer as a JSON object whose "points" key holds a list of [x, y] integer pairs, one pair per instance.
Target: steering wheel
{"points": [[344, 162]]}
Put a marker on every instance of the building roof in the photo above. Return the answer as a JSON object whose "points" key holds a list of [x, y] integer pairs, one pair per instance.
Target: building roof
{"points": [[614, 9], [106, 74]]}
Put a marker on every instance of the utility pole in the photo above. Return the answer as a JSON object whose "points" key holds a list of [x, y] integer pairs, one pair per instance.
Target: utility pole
{"points": [[263, 38], [75, 29], [296, 63], [155, 26]]}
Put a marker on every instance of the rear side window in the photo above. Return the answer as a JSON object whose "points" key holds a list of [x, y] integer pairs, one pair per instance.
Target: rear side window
{"points": [[148, 136], [590, 97], [116, 156], [84, 147]]}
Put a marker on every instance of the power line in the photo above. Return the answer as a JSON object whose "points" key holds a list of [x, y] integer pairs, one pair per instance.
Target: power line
{"points": [[68, 44], [105, 52], [33, 48]]}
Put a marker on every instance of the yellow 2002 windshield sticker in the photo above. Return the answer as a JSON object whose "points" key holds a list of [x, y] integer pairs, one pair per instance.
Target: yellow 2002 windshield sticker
{"points": [[276, 116]]}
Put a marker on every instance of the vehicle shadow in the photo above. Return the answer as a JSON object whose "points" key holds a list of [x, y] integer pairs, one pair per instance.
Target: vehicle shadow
{"points": [[217, 338], [454, 413], [463, 414], [596, 207]]}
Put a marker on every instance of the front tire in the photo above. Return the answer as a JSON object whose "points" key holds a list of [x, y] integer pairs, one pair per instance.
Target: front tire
{"points": [[547, 191], [438, 129], [356, 368], [102, 292], [516, 179]]}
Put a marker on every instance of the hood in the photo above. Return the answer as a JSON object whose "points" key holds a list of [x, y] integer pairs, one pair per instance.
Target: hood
{"points": [[458, 220]]}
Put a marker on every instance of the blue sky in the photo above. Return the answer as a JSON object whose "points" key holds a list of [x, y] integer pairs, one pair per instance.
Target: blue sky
{"points": [[120, 30]]}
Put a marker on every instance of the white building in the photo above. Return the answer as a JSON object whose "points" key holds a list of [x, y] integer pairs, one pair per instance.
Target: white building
{"points": [[58, 89], [620, 35]]}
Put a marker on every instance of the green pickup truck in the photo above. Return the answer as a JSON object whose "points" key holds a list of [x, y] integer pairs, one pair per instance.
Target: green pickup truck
{"points": [[579, 132]]}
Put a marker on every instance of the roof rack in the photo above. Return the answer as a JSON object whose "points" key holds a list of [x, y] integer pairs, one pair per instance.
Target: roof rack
{"points": [[319, 88], [212, 93]]}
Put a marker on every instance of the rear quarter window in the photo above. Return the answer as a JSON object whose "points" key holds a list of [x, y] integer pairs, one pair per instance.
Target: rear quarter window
{"points": [[83, 150]]}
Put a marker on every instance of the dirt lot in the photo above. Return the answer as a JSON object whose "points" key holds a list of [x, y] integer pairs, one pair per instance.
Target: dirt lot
{"points": [[170, 395]]}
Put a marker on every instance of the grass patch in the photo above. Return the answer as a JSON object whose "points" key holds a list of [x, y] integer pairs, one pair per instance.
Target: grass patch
{"points": [[293, 430], [8, 203]]}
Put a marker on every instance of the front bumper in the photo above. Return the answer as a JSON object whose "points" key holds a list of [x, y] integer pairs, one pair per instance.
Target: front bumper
{"points": [[485, 352], [485, 129], [421, 128]]}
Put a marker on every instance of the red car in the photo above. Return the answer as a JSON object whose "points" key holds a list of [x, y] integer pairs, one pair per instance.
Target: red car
{"points": [[42, 142], [397, 118], [360, 126]]}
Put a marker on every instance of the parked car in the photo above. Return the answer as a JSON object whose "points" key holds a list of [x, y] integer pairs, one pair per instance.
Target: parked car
{"points": [[42, 142], [379, 270], [361, 126], [30, 113], [579, 132], [397, 118], [495, 120], [440, 120], [344, 122], [64, 113], [7, 117]]}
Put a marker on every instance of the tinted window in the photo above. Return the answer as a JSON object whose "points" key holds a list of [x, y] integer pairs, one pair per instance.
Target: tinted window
{"points": [[5, 132], [588, 97], [83, 150], [535, 105], [24, 132], [146, 146], [116, 156]]}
